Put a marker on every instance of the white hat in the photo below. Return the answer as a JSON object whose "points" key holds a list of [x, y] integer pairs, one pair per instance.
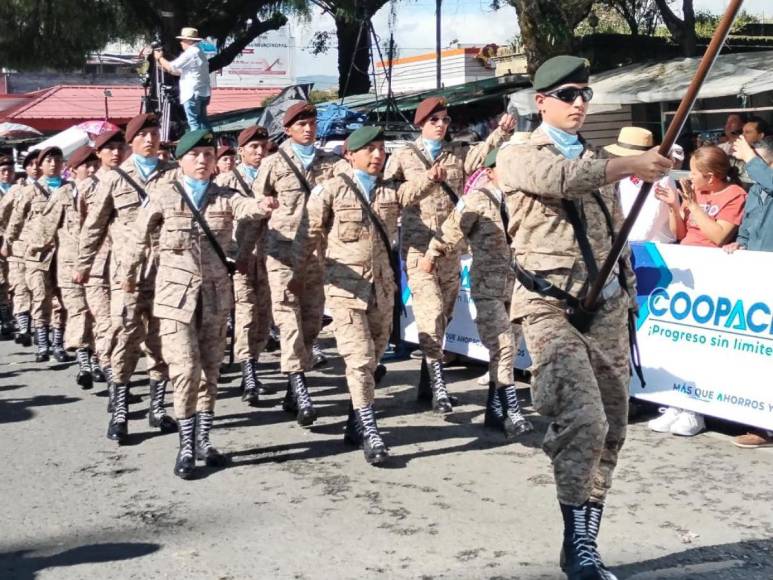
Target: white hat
{"points": [[189, 34]]}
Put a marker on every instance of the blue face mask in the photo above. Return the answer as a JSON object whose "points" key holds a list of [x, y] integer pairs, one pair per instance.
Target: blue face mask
{"points": [[433, 147], [249, 172], [197, 189], [568, 144], [52, 182], [145, 165], [305, 153], [366, 180]]}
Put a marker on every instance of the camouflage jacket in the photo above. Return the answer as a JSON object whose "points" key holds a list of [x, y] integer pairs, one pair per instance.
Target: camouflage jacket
{"points": [[536, 178], [100, 271], [476, 219], [6, 210], [250, 237], [356, 257], [186, 258], [422, 222]]}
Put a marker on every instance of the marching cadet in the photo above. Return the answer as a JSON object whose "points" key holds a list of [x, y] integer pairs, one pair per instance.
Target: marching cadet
{"points": [[252, 310], [118, 198], [7, 173], [27, 211], [356, 213], [14, 253], [480, 218], [195, 220], [289, 175], [562, 230], [434, 294], [226, 159], [58, 230]]}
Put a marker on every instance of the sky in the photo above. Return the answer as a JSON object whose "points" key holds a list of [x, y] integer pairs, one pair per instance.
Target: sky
{"points": [[468, 21]]}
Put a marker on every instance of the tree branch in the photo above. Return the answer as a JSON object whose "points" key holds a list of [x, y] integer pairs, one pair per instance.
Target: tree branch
{"points": [[258, 27]]}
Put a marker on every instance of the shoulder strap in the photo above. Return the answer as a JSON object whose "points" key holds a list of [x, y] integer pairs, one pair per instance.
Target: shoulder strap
{"points": [[242, 183], [230, 266], [570, 207], [296, 171], [447, 188], [377, 223], [502, 212], [41, 189], [143, 195]]}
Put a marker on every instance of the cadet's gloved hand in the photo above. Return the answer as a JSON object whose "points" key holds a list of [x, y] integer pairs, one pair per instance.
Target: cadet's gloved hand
{"points": [[80, 277], [436, 173], [268, 204]]}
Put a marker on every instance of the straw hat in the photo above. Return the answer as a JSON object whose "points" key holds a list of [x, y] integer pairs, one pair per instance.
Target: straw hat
{"points": [[189, 33], [631, 141]]}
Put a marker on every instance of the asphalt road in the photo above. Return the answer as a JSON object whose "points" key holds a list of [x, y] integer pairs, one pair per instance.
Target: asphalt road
{"points": [[456, 502]]}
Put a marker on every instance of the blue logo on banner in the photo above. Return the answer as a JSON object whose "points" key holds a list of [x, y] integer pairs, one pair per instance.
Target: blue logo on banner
{"points": [[651, 273], [406, 292]]}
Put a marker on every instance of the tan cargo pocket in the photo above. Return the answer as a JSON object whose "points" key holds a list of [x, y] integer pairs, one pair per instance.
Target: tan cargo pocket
{"points": [[348, 286], [350, 224], [172, 287], [176, 234], [125, 198]]}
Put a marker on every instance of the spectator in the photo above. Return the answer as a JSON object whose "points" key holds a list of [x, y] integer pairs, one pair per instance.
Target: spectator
{"points": [[756, 233], [754, 131], [193, 69], [652, 225], [708, 215], [733, 129]]}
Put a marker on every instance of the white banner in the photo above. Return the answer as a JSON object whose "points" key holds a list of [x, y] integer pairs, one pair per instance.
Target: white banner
{"points": [[266, 61], [705, 330]]}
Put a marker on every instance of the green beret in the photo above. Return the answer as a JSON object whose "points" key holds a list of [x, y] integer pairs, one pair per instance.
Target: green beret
{"points": [[561, 70], [364, 136], [491, 158], [197, 138]]}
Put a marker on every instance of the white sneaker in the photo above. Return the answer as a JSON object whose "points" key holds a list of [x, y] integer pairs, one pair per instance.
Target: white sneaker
{"points": [[484, 380], [667, 418], [688, 424]]}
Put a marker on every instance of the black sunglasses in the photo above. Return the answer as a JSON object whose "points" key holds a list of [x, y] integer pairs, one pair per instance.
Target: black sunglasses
{"points": [[570, 94]]}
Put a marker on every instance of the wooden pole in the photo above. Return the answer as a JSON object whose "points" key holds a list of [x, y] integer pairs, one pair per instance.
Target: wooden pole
{"points": [[438, 43], [674, 129]]}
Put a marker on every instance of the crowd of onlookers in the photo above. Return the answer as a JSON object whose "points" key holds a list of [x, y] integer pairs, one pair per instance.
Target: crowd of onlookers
{"points": [[712, 209]]}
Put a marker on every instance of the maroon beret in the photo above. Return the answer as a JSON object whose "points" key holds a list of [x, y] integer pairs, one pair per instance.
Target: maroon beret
{"points": [[81, 155], [225, 150], [254, 133], [29, 158], [5, 160], [138, 123], [48, 151], [427, 107], [115, 136], [298, 111]]}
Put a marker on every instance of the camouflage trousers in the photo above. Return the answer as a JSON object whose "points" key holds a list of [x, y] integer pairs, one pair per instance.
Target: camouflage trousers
{"points": [[580, 381], [434, 298], [194, 353], [98, 301], [17, 281], [361, 338], [5, 299], [47, 307], [499, 336], [252, 310], [298, 316], [78, 332], [133, 330]]}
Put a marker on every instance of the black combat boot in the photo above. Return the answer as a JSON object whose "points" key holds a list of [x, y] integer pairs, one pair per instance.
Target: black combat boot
{"points": [[157, 415], [372, 445], [495, 413], [262, 389], [110, 388], [42, 354], [250, 394], [84, 378], [204, 448], [97, 374], [298, 401], [23, 334], [58, 346], [593, 513], [318, 358], [379, 374], [424, 394], [441, 403], [6, 323], [185, 462], [118, 429], [515, 423], [578, 559], [352, 435]]}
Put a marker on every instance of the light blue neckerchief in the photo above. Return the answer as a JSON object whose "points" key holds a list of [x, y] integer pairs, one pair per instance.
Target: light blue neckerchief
{"points": [[145, 165], [52, 182], [249, 172], [568, 144], [196, 189], [433, 147], [305, 153], [6, 187], [366, 181]]}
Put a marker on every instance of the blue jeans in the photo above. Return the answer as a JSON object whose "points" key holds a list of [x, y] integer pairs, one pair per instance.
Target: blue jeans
{"points": [[196, 112]]}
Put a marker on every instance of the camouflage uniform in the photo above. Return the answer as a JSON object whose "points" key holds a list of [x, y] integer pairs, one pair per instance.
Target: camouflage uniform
{"points": [[298, 316], [579, 380], [434, 294], [113, 212], [17, 284]]}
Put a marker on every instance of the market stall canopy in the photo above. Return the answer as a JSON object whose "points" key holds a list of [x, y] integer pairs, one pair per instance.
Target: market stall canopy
{"points": [[747, 73], [68, 141], [17, 130]]}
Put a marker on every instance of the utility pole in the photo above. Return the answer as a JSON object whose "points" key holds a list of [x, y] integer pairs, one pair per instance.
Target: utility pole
{"points": [[108, 94], [438, 52]]}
